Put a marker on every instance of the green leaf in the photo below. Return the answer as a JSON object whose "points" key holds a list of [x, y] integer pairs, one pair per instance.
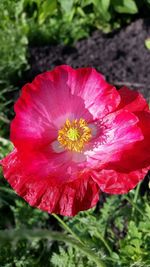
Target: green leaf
{"points": [[47, 9], [15, 235], [131, 6], [147, 43], [105, 4], [66, 5], [86, 2], [101, 7], [102, 4], [125, 6]]}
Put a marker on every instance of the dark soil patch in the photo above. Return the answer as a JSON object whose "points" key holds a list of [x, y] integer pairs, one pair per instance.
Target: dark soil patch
{"points": [[121, 56]]}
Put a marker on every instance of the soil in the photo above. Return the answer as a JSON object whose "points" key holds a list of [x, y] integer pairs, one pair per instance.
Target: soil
{"points": [[121, 56]]}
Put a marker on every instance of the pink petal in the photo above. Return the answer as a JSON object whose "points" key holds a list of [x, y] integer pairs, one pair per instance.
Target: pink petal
{"points": [[119, 131], [66, 199], [99, 97], [113, 182], [116, 159], [138, 156], [59, 168], [132, 100]]}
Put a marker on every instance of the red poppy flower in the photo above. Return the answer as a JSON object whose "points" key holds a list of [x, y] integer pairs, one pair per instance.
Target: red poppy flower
{"points": [[74, 135]]}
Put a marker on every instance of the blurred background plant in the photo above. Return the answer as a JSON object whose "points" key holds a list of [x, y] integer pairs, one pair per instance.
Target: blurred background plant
{"points": [[119, 230], [28, 22]]}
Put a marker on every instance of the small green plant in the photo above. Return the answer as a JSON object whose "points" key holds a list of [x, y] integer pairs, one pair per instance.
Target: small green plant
{"points": [[118, 233], [13, 36], [147, 43], [68, 21]]}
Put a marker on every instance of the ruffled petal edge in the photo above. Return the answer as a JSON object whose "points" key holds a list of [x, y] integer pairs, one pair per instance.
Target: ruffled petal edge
{"points": [[67, 199]]}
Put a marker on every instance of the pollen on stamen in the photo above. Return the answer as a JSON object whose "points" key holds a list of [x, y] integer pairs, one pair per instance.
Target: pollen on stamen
{"points": [[74, 135]]}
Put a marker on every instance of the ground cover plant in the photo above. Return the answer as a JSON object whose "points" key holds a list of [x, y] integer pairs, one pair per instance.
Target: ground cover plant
{"points": [[116, 231], [37, 19], [54, 21]]}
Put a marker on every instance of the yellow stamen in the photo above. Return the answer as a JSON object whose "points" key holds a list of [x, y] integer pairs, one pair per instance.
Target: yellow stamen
{"points": [[74, 135]]}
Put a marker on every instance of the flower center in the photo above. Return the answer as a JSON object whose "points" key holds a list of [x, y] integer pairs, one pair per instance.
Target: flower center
{"points": [[74, 135]]}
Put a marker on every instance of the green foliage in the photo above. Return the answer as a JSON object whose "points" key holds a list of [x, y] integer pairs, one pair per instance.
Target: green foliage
{"points": [[13, 46], [125, 6], [117, 231], [68, 21], [60, 30], [136, 244], [25, 216], [54, 21], [25, 254], [13, 36], [134, 248], [14, 212], [147, 43], [45, 21], [21, 214], [5, 147], [70, 257]]}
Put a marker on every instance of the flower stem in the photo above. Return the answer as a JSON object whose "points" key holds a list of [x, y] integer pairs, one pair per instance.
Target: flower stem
{"points": [[134, 205], [136, 193], [136, 197], [14, 235], [67, 228], [104, 242]]}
